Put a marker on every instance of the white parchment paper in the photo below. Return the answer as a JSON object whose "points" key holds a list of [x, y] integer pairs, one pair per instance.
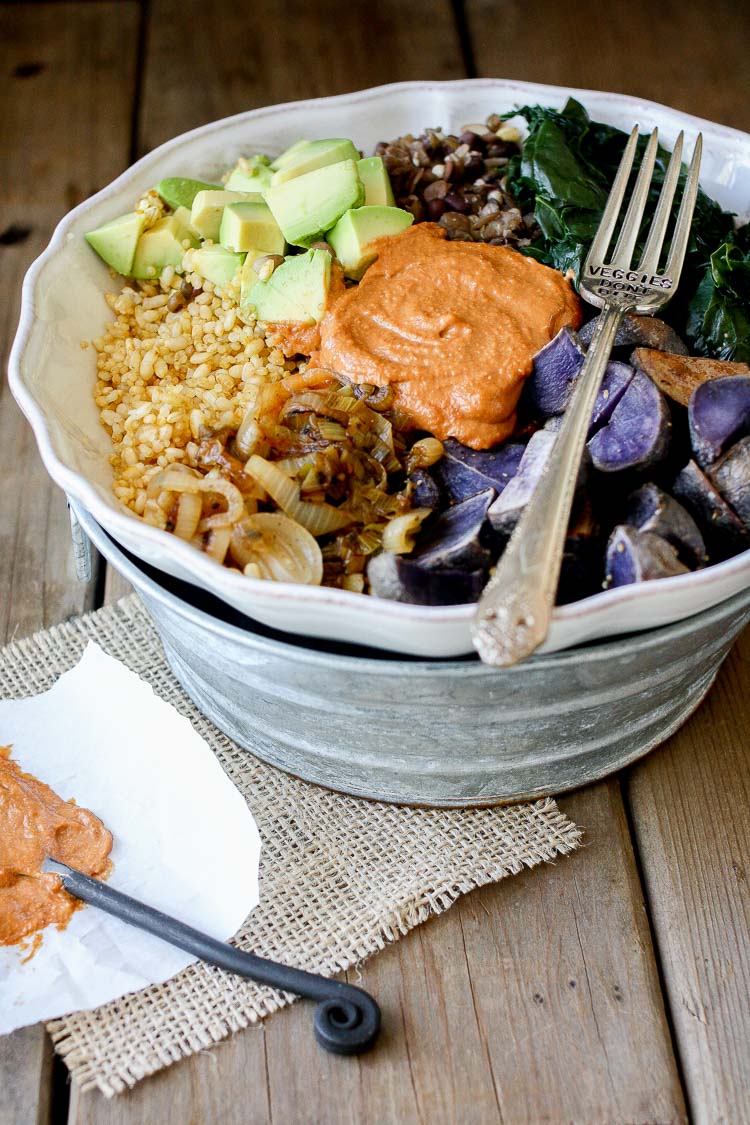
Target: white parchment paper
{"points": [[184, 838]]}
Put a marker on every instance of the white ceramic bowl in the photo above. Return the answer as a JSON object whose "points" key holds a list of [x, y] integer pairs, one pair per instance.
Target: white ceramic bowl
{"points": [[52, 378]]}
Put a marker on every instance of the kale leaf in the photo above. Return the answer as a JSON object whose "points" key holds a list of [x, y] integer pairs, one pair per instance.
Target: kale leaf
{"points": [[718, 320], [564, 173]]}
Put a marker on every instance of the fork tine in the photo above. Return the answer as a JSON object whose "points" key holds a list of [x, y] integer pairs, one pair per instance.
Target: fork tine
{"points": [[685, 215], [608, 220], [634, 215], [651, 251]]}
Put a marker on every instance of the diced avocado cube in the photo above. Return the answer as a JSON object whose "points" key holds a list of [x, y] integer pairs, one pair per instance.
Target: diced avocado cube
{"points": [[163, 244], [296, 291], [288, 155], [116, 241], [217, 264], [245, 226], [378, 191], [250, 173], [308, 206], [311, 155], [355, 233], [205, 215], [180, 192]]}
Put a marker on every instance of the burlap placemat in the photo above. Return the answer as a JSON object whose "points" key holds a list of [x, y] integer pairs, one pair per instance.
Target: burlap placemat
{"points": [[340, 877]]}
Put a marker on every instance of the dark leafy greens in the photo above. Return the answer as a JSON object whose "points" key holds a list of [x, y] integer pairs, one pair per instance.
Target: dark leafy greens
{"points": [[718, 320], [564, 173]]}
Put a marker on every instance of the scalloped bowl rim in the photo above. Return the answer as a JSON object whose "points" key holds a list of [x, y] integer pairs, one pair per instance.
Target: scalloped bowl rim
{"points": [[119, 521]]}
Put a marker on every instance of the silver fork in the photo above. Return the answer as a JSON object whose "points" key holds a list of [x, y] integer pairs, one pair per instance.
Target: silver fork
{"points": [[514, 612]]}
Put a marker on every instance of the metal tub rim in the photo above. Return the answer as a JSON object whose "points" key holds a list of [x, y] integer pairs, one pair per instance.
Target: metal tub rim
{"points": [[591, 653]]}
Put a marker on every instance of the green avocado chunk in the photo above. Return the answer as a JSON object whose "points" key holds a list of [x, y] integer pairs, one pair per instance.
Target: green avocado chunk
{"points": [[308, 206], [217, 264], [164, 244], [378, 190], [208, 206], [180, 192], [250, 173], [354, 235], [296, 291], [289, 155], [248, 226], [307, 156], [116, 241]]}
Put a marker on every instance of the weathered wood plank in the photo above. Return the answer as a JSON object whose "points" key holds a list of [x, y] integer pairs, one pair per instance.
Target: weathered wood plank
{"points": [[683, 53], [690, 811], [67, 86], [278, 53]]}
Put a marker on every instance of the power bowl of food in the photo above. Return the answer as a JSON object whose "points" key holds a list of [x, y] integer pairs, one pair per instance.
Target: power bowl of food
{"points": [[312, 359]]}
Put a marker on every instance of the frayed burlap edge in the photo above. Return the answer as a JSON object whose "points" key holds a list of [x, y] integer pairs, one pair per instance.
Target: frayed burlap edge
{"points": [[340, 877]]}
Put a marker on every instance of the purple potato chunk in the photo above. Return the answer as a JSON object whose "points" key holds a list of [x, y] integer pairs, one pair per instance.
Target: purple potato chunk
{"points": [[556, 366], [426, 492], [403, 580], [718, 414], [639, 556], [617, 379], [724, 533], [462, 472], [731, 475], [547, 389], [505, 512], [678, 376], [459, 537], [651, 509], [638, 431], [642, 332]]}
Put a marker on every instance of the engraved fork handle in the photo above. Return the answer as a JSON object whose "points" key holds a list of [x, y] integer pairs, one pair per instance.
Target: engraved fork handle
{"points": [[514, 612]]}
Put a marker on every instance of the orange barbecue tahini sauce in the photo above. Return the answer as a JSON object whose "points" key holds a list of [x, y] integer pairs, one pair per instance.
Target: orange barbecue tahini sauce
{"points": [[452, 326], [34, 823]]}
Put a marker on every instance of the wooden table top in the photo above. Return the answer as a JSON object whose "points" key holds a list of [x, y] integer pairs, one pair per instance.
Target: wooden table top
{"points": [[613, 986]]}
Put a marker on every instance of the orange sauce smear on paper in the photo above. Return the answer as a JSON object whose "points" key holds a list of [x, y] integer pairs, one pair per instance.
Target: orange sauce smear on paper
{"points": [[34, 823]]}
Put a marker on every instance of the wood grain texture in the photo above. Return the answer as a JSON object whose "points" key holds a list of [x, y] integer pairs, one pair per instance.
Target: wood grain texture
{"points": [[689, 54], [690, 807], [67, 74], [268, 52]]}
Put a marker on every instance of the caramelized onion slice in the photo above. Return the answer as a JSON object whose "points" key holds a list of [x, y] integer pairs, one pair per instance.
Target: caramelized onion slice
{"points": [[272, 546], [400, 532], [189, 511], [318, 519]]}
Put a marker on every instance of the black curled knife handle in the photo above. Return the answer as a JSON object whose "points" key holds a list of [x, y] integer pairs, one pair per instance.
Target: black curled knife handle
{"points": [[347, 1019]]}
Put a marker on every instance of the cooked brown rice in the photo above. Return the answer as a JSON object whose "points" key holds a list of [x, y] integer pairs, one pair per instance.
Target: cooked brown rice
{"points": [[164, 377]]}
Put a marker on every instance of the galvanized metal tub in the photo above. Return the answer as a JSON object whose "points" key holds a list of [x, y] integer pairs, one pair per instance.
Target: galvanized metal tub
{"points": [[443, 732]]}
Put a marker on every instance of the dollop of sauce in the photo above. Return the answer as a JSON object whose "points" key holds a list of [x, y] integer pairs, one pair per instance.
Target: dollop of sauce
{"points": [[34, 823], [452, 326]]}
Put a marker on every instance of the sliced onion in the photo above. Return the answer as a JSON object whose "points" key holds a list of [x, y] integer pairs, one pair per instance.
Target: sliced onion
{"points": [[272, 546], [189, 511], [171, 480], [249, 437], [318, 519], [399, 533], [217, 543]]}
